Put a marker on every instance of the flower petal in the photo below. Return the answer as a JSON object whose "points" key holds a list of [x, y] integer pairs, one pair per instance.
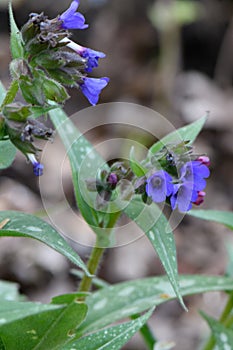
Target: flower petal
{"points": [[72, 19], [91, 88]]}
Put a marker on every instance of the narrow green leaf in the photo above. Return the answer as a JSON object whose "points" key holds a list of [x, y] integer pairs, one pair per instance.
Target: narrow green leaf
{"points": [[26, 225], [112, 338], [222, 335], [11, 93], [122, 300], [37, 111], [79, 149], [7, 154], [186, 133], [136, 167], [16, 41], [152, 221], [222, 217], [9, 291], [36, 326]]}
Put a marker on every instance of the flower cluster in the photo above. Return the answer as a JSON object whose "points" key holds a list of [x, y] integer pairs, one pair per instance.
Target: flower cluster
{"points": [[173, 174], [48, 63], [47, 43], [181, 191]]}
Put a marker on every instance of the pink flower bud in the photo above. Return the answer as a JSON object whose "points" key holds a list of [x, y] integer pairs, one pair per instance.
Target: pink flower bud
{"points": [[204, 160], [200, 198]]}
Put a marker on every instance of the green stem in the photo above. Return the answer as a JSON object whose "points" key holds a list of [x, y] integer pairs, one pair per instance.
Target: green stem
{"points": [[96, 255], [92, 266], [223, 319], [11, 93]]}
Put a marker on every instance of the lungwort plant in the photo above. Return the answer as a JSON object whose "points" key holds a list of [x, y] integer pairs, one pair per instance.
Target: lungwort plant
{"points": [[45, 61]]}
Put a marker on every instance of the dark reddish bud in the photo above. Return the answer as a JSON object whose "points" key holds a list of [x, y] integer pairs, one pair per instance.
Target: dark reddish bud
{"points": [[200, 198], [112, 179], [204, 160]]}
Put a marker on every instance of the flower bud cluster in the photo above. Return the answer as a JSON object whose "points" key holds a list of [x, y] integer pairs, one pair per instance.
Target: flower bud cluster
{"points": [[107, 183]]}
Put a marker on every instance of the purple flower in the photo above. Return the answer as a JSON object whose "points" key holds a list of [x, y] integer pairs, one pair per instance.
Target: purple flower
{"points": [[189, 190], [183, 196], [195, 172], [72, 19], [159, 186], [90, 55], [37, 166], [91, 88]]}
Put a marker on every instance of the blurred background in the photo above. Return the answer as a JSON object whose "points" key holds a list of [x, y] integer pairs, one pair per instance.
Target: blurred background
{"points": [[175, 57]]}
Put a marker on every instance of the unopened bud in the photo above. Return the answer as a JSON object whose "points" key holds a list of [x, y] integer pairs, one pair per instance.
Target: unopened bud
{"points": [[200, 198], [204, 160]]}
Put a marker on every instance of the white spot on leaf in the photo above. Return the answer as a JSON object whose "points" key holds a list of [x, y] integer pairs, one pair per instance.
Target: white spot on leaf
{"points": [[151, 235], [223, 337], [33, 228], [100, 304], [126, 291]]}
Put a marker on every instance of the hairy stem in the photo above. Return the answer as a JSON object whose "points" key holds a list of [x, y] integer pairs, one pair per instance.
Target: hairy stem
{"points": [[96, 256], [92, 266]]}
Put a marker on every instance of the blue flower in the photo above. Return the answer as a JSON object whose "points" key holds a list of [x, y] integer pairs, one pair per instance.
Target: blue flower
{"points": [[183, 196], [91, 88], [37, 166], [159, 186], [195, 172], [90, 55], [72, 19], [190, 186]]}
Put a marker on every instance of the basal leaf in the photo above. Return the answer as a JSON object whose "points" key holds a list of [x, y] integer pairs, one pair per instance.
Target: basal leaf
{"points": [[16, 41], [222, 217], [116, 302], [186, 133], [36, 326], [152, 221], [112, 338], [25, 225], [222, 335]]}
